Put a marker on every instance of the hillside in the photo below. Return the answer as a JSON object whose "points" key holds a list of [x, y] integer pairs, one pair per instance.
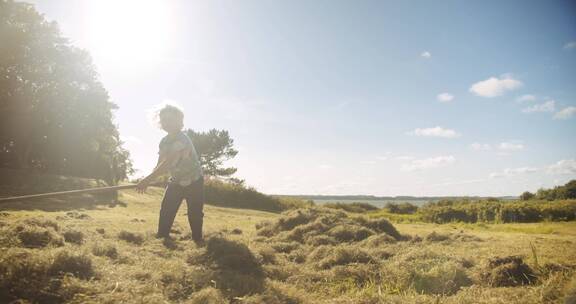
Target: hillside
{"points": [[303, 256]]}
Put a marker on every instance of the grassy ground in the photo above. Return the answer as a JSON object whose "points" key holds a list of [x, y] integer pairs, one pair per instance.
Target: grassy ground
{"points": [[51, 252]]}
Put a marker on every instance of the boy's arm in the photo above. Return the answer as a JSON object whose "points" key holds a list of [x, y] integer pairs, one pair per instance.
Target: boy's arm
{"points": [[162, 165]]}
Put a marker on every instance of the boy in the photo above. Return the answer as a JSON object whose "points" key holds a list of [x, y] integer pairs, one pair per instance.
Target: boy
{"points": [[178, 156]]}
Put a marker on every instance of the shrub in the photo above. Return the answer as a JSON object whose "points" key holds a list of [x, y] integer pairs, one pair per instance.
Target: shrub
{"points": [[224, 194], [401, 208], [499, 211], [355, 207]]}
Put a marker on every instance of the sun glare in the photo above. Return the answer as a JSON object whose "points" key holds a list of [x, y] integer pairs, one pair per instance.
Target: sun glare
{"points": [[129, 33]]}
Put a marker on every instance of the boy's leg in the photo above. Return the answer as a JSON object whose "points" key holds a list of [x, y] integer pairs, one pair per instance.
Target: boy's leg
{"points": [[170, 204], [195, 203]]}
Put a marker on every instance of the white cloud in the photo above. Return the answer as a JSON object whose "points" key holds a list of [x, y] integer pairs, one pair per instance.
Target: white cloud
{"points": [[480, 147], [564, 167], [426, 55], [510, 146], [493, 86], [547, 106], [445, 97], [429, 163], [404, 157], [435, 132], [570, 45], [526, 98], [565, 113], [513, 172]]}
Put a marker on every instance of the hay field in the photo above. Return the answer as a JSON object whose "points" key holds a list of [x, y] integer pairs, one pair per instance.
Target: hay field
{"points": [[108, 254]]}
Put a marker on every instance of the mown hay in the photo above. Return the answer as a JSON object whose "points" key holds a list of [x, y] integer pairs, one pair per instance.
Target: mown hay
{"points": [[448, 237], [38, 236], [31, 278], [107, 250], [437, 237], [24, 276], [380, 225], [207, 295], [72, 236], [77, 215], [40, 222], [378, 240], [231, 267], [232, 255], [318, 240], [425, 272], [131, 237], [507, 271], [345, 256], [278, 293], [79, 265], [350, 233], [285, 247], [323, 226]]}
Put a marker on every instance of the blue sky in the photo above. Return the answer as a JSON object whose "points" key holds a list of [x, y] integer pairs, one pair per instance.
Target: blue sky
{"points": [[348, 97]]}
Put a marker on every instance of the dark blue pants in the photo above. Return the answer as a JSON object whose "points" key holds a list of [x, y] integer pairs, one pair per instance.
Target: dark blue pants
{"points": [[194, 195]]}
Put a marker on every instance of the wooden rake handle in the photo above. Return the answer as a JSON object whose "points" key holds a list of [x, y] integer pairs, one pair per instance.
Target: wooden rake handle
{"points": [[52, 194]]}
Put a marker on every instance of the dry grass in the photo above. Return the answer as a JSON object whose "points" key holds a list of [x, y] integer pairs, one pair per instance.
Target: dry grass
{"points": [[318, 255]]}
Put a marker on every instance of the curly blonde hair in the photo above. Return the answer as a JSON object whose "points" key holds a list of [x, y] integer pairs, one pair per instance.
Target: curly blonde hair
{"points": [[166, 109]]}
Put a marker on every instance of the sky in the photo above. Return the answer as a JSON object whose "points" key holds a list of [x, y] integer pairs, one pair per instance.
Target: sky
{"points": [[423, 98]]}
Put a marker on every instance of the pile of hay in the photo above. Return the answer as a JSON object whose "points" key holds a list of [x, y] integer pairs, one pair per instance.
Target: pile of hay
{"points": [[322, 226], [507, 271]]}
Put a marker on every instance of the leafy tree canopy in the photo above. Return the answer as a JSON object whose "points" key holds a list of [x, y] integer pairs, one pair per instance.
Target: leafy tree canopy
{"points": [[55, 115]]}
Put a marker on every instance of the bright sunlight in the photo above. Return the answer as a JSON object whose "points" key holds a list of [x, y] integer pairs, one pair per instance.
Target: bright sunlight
{"points": [[131, 32]]}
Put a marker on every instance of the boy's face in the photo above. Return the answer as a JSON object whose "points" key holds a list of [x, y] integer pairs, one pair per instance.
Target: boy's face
{"points": [[170, 123]]}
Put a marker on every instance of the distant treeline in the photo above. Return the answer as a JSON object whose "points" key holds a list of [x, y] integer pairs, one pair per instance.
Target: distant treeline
{"points": [[494, 211], [386, 198], [568, 191], [470, 211]]}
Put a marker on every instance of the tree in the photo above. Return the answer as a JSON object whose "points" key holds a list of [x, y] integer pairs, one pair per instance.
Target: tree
{"points": [[570, 189], [526, 196], [214, 148], [55, 115]]}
